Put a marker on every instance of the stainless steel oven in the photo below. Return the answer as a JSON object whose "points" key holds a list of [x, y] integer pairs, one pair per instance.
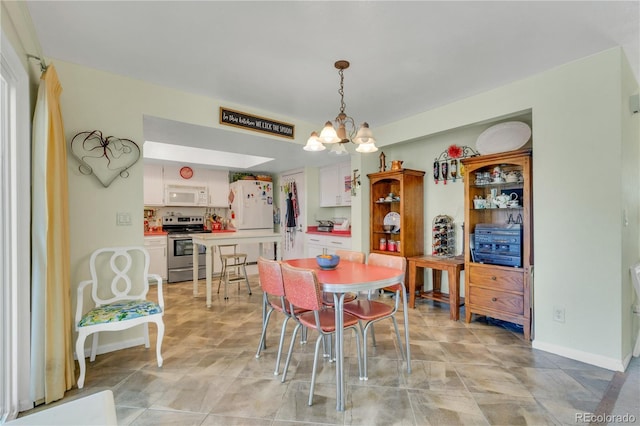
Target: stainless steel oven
{"points": [[180, 245]]}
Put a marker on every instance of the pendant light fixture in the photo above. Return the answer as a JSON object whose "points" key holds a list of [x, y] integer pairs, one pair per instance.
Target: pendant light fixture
{"points": [[344, 130]]}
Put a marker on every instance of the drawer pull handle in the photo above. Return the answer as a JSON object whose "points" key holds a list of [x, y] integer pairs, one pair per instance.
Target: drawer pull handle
{"points": [[494, 299], [493, 278]]}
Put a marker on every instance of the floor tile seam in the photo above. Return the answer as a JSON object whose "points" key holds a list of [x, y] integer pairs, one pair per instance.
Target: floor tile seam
{"points": [[610, 396]]}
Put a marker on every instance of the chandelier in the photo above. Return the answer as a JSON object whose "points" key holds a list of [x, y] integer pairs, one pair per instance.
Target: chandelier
{"points": [[346, 128]]}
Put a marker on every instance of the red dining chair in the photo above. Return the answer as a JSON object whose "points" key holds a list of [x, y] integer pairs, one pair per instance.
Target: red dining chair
{"points": [[273, 299], [349, 256], [371, 311], [303, 291]]}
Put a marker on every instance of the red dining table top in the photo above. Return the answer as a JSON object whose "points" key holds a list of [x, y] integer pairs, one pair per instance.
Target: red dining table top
{"points": [[350, 276]]}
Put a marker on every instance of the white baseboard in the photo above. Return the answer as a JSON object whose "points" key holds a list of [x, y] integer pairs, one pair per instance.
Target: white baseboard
{"points": [[103, 349], [589, 358]]}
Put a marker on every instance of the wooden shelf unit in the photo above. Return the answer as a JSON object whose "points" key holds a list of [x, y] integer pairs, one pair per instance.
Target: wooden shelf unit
{"points": [[409, 186], [497, 291]]}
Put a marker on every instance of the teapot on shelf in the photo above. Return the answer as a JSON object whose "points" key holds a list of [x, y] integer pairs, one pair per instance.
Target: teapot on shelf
{"points": [[506, 200]]}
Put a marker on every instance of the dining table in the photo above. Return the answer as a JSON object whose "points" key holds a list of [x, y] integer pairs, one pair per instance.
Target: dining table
{"points": [[214, 239], [351, 277]]}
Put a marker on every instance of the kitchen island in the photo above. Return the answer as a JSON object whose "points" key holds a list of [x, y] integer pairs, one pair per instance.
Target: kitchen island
{"points": [[209, 241]]}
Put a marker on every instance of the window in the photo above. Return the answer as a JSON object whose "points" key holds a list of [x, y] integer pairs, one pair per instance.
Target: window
{"points": [[15, 215]]}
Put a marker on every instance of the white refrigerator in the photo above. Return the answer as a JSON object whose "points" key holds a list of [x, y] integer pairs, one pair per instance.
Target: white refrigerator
{"points": [[251, 207]]}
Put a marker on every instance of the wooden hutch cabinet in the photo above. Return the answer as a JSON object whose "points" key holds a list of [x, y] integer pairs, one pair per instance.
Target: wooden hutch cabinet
{"points": [[404, 211], [498, 231]]}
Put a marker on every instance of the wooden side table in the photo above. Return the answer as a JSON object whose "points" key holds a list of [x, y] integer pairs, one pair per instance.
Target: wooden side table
{"points": [[453, 266]]}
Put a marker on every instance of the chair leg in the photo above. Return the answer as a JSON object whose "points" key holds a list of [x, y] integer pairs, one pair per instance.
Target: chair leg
{"points": [[359, 353], [147, 344], [315, 366], [286, 364], [222, 272], [160, 325], [280, 345], [94, 346], [395, 325], [81, 360], [246, 278], [262, 344], [226, 282], [364, 376]]}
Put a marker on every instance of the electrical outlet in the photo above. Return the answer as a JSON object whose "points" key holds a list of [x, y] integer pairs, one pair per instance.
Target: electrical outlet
{"points": [[558, 314]]}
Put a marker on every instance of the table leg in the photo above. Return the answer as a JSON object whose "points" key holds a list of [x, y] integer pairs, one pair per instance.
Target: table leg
{"points": [[195, 269], [436, 275], [338, 300], [209, 269], [406, 329], [454, 294], [412, 284]]}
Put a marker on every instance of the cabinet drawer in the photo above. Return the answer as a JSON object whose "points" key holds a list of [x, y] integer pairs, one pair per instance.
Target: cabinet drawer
{"points": [[330, 241], [498, 279], [496, 300]]}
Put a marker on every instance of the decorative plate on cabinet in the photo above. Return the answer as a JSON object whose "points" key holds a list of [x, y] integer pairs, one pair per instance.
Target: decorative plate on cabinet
{"points": [[503, 137], [392, 218], [186, 172]]}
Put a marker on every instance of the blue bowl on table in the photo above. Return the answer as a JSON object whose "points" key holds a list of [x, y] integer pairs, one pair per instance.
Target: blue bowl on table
{"points": [[327, 261]]}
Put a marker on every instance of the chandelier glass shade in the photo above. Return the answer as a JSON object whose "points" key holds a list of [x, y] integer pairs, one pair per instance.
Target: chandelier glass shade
{"points": [[344, 130]]}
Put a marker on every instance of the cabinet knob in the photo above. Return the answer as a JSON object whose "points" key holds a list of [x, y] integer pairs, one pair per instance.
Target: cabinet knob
{"points": [[493, 278], [494, 299]]}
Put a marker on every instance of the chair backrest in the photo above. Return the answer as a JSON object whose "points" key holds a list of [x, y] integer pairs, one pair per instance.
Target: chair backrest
{"points": [[389, 261], [351, 256], [126, 269], [301, 287], [227, 249], [270, 274]]}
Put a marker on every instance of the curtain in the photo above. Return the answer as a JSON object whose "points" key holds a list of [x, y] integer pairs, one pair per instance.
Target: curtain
{"points": [[52, 330]]}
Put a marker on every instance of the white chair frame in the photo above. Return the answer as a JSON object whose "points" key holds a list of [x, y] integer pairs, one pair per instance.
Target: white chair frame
{"points": [[117, 295]]}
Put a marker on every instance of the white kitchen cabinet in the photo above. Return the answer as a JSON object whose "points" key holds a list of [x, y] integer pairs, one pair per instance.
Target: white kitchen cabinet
{"points": [[335, 185], [153, 186], [218, 185], [157, 248], [317, 244]]}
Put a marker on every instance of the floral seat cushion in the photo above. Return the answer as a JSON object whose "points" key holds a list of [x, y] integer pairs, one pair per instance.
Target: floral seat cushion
{"points": [[120, 311]]}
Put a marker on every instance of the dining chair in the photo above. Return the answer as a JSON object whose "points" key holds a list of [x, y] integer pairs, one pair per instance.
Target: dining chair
{"points": [[349, 256], [370, 311], [303, 291], [119, 285], [232, 263], [273, 299]]}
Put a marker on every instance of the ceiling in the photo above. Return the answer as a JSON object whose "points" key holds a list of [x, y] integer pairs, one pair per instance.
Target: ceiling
{"points": [[406, 57]]}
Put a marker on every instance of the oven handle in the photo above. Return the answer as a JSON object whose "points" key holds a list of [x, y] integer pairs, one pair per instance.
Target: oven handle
{"points": [[185, 269]]}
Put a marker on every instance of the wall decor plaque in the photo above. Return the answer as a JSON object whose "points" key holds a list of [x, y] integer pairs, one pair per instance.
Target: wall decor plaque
{"points": [[104, 157], [243, 120]]}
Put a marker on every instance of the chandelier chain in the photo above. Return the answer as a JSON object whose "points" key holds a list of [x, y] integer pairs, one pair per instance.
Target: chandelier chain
{"points": [[341, 91]]}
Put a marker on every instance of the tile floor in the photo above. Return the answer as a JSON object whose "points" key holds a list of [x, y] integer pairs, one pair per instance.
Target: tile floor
{"points": [[462, 374]]}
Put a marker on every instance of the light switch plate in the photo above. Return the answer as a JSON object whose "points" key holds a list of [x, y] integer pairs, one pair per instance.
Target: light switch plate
{"points": [[123, 219]]}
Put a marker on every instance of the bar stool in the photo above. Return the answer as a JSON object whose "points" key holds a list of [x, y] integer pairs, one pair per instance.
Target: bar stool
{"points": [[232, 263]]}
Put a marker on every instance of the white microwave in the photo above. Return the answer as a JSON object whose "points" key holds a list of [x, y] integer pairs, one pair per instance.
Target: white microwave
{"points": [[181, 195]]}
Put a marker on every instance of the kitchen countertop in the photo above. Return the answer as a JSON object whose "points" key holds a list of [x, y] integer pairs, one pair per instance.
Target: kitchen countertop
{"points": [[334, 233]]}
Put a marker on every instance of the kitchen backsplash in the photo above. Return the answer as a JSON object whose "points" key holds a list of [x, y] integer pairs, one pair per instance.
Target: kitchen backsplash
{"points": [[158, 212]]}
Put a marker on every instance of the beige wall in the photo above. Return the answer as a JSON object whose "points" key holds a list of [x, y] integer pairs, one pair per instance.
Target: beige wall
{"points": [[578, 168], [585, 177]]}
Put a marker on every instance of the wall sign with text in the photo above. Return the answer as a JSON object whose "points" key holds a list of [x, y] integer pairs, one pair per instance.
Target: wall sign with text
{"points": [[259, 124]]}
